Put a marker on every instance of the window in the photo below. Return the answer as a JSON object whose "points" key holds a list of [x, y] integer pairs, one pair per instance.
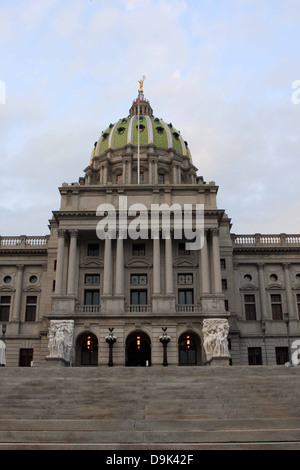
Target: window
{"points": [[226, 305], [276, 307], [138, 279], [7, 279], [223, 263], [182, 251], [185, 279], [93, 249], [186, 297], [138, 249], [298, 303], [26, 357], [161, 178], [91, 297], [254, 357], [250, 307], [224, 284], [138, 297], [282, 355], [4, 307], [92, 279], [31, 305]]}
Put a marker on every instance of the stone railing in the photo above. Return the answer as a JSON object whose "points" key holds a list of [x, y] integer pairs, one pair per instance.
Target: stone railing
{"points": [[138, 308], [188, 308], [87, 308], [24, 242], [259, 240]]}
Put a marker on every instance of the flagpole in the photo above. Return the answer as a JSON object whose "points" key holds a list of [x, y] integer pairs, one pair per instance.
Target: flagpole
{"points": [[138, 169]]}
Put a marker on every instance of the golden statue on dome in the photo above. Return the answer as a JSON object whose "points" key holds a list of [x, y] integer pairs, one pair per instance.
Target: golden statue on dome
{"points": [[141, 82]]}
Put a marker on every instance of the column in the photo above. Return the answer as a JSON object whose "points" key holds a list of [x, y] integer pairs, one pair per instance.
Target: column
{"points": [[120, 266], [18, 294], [107, 267], [169, 266], [156, 265], [261, 280], [204, 267], [60, 261], [72, 262], [216, 261], [288, 290]]}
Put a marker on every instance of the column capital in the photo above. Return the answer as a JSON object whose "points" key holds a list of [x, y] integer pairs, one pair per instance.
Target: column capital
{"points": [[286, 265], [20, 267], [261, 265], [61, 233], [215, 232], [73, 232]]}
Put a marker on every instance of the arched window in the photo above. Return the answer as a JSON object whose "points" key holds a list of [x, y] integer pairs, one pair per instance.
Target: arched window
{"points": [[189, 350]]}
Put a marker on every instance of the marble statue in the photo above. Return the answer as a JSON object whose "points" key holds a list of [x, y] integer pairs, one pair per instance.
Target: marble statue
{"points": [[61, 338], [215, 337]]}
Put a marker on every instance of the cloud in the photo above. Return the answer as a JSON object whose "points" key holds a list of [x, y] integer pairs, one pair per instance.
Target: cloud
{"points": [[222, 74]]}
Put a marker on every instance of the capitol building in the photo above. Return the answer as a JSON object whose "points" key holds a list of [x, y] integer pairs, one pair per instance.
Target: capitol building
{"points": [[71, 298]]}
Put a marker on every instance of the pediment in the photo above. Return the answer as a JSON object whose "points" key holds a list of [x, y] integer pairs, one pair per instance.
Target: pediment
{"points": [[275, 287], [139, 263], [7, 289], [248, 288], [92, 264], [185, 263], [32, 289]]}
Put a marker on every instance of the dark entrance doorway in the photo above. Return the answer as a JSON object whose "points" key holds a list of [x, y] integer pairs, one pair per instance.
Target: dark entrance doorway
{"points": [[87, 350], [138, 350], [189, 350]]}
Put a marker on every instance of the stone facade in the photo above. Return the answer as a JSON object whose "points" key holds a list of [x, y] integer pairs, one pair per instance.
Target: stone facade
{"points": [[137, 287]]}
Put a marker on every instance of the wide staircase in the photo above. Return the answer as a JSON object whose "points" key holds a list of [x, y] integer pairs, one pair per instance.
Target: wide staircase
{"points": [[172, 408]]}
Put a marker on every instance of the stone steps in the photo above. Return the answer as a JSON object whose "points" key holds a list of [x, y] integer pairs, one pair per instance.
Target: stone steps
{"points": [[152, 408]]}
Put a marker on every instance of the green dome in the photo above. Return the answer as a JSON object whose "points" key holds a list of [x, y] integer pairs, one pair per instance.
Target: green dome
{"points": [[152, 131]]}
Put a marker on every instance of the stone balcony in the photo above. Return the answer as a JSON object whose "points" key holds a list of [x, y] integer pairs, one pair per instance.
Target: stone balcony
{"points": [[258, 240], [24, 242]]}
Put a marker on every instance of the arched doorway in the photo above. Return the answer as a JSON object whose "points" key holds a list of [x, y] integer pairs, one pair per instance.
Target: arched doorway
{"points": [[189, 349], [138, 350], [87, 350]]}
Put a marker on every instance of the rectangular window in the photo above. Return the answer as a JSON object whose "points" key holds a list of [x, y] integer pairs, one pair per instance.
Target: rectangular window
{"points": [[182, 251], [250, 307], [31, 306], [282, 355], [254, 357], [223, 263], [186, 297], [276, 307], [161, 178], [4, 307], [25, 357], [298, 303], [224, 284], [93, 249], [138, 297], [185, 279], [226, 303], [138, 249], [138, 279], [91, 297], [92, 279]]}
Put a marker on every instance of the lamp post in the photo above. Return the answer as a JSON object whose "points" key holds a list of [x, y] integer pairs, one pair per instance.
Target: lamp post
{"points": [[165, 339], [286, 318], [111, 339], [3, 347], [264, 327]]}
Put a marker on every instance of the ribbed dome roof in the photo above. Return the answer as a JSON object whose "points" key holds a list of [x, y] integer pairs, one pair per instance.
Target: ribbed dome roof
{"points": [[152, 131]]}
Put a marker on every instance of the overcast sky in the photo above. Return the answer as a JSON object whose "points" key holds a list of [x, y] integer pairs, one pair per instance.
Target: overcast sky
{"points": [[220, 70]]}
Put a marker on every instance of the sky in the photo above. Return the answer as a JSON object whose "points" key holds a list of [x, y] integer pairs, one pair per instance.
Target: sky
{"points": [[221, 71]]}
